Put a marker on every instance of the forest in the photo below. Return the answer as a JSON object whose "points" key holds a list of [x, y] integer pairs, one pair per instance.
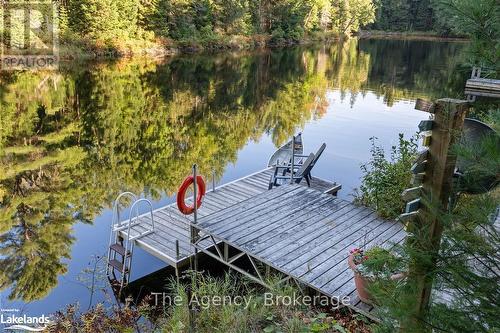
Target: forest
{"points": [[206, 19], [121, 25]]}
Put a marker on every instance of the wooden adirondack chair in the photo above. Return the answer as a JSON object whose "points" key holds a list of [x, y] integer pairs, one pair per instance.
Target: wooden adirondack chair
{"points": [[317, 155], [303, 172]]}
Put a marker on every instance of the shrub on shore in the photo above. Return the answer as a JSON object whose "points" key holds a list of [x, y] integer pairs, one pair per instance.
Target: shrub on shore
{"points": [[384, 179], [200, 315]]}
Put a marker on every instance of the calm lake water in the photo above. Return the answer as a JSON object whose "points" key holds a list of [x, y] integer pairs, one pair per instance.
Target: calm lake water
{"points": [[72, 140]]}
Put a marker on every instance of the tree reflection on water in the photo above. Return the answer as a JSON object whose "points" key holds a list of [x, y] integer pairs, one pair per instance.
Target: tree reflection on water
{"points": [[72, 140]]}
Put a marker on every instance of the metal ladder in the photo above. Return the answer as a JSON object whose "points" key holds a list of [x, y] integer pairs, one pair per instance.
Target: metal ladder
{"points": [[121, 247]]}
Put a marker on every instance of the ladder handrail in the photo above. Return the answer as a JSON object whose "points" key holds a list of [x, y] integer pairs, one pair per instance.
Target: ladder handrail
{"points": [[115, 218], [136, 217], [118, 226], [117, 202]]}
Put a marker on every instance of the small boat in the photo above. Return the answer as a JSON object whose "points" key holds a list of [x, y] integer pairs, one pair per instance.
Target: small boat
{"points": [[284, 153]]}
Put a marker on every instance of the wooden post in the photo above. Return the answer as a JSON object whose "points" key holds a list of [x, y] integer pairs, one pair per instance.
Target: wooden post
{"points": [[426, 230]]}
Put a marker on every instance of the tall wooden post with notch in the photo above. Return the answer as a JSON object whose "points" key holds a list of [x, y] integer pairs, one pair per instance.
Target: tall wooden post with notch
{"points": [[429, 199]]}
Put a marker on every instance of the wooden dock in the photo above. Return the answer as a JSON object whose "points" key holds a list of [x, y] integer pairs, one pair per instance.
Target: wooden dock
{"points": [[483, 87], [478, 86], [303, 232], [171, 240]]}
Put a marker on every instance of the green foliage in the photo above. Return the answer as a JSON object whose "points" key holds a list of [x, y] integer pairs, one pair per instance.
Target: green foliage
{"points": [[104, 20], [228, 318], [483, 164], [194, 310], [405, 15], [63, 18], [101, 24], [232, 16], [153, 16], [278, 35], [385, 179], [465, 290], [379, 263], [350, 15], [478, 19], [98, 319], [392, 15], [252, 316], [112, 22]]}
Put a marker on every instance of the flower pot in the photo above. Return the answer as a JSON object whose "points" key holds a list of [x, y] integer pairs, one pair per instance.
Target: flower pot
{"points": [[360, 282]]}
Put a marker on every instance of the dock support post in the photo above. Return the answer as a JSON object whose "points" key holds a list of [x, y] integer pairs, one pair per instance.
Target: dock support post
{"points": [[177, 253], [177, 275], [226, 252]]}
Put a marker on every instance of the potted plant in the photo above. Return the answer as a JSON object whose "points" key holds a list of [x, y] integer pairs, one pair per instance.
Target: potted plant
{"points": [[371, 265]]}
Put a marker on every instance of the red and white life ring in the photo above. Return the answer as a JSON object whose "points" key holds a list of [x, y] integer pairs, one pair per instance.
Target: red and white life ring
{"points": [[181, 204]]}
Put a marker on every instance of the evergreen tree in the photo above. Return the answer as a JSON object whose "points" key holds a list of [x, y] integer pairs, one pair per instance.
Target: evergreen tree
{"points": [[480, 20], [421, 14], [152, 16], [350, 15], [63, 19], [231, 16], [465, 295], [465, 272], [392, 15], [104, 19]]}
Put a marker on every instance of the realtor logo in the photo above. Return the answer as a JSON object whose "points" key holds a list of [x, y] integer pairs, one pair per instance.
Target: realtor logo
{"points": [[12, 321], [29, 35]]}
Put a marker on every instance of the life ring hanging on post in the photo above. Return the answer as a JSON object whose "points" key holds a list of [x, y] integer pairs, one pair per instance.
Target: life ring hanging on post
{"points": [[181, 204]]}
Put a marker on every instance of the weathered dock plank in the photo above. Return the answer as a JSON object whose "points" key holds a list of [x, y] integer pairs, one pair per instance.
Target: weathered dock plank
{"points": [[300, 237], [334, 276], [482, 87], [300, 262], [261, 217], [483, 83], [284, 227], [303, 233]]}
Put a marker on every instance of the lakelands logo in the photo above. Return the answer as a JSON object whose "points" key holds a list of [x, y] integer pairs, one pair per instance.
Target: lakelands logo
{"points": [[29, 35], [15, 322]]}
